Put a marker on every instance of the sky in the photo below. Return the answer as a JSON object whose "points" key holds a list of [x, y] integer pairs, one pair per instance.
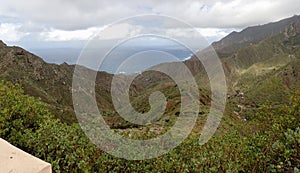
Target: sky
{"points": [[44, 24]]}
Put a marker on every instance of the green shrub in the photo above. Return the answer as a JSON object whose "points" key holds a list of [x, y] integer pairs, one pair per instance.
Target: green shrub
{"points": [[273, 147]]}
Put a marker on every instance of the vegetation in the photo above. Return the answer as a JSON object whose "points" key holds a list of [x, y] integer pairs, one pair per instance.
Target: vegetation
{"points": [[272, 143], [259, 132]]}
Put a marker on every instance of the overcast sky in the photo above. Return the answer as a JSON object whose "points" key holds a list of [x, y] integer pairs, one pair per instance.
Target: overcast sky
{"points": [[72, 21]]}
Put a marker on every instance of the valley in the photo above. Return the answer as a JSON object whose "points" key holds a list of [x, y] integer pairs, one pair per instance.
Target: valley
{"points": [[262, 69]]}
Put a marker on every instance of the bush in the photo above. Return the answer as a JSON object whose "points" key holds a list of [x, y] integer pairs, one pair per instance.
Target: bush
{"points": [[18, 113], [26, 123], [274, 147]]}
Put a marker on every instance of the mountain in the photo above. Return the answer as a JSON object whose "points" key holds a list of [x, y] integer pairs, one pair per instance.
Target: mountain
{"points": [[52, 83], [240, 50], [261, 62], [259, 131], [253, 35]]}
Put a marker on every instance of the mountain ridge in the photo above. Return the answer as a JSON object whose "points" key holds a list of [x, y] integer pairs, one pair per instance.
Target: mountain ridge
{"points": [[252, 35], [53, 83]]}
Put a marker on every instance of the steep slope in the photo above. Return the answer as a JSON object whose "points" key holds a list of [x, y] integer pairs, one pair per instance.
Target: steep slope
{"points": [[261, 64], [252, 35], [50, 82], [266, 71], [53, 84], [258, 44], [254, 60]]}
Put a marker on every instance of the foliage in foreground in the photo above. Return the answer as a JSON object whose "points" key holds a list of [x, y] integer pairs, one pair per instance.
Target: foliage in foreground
{"points": [[274, 145]]}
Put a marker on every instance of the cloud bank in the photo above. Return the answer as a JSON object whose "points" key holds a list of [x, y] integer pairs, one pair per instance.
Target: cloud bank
{"points": [[67, 20]]}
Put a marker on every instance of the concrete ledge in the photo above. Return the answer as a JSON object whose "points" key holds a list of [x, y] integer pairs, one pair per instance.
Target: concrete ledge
{"points": [[14, 160]]}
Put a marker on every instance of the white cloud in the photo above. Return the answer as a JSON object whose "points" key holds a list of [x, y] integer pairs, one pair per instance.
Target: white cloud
{"points": [[197, 32], [118, 31], [125, 30], [75, 15], [121, 30], [9, 32], [214, 32], [229, 13], [63, 35], [68, 20]]}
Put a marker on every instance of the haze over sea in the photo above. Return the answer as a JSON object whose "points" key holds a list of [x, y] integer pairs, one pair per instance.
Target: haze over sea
{"points": [[129, 57]]}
